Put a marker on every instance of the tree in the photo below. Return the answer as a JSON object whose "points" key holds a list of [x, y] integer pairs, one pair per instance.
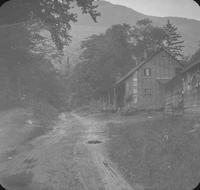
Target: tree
{"points": [[173, 41], [104, 57], [24, 48], [29, 73], [146, 38], [56, 15]]}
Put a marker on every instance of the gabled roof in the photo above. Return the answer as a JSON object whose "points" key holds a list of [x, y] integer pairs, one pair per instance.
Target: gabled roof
{"points": [[195, 60], [146, 61]]}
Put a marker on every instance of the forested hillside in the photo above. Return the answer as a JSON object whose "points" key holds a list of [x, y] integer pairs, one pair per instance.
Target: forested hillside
{"points": [[117, 14]]}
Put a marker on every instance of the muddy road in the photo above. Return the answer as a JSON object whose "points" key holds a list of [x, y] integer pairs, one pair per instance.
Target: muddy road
{"points": [[72, 156]]}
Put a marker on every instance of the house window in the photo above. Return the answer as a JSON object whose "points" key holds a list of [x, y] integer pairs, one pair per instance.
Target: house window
{"points": [[147, 72], [135, 90], [147, 92]]}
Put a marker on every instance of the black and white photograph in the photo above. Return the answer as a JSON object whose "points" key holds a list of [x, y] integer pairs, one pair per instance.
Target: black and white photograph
{"points": [[99, 95]]}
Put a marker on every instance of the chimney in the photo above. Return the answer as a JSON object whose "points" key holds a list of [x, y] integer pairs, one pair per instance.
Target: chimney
{"points": [[145, 54], [135, 59]]}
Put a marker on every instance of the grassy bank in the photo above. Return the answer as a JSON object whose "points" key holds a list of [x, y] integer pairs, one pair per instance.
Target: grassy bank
{"points": [[20, 126], [159, 154]]}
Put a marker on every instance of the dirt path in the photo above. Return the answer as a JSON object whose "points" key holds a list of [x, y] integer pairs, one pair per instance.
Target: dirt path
{"points": [[63, 160], [95, 131]]}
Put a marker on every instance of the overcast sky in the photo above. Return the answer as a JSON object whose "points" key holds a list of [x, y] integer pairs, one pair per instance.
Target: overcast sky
{"points": [[179, 8]]}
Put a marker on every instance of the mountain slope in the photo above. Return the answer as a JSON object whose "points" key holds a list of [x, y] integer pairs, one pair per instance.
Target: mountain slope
{"points": [[117, 14]]}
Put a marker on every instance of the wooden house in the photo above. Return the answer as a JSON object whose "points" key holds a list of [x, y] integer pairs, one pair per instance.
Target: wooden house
{"points": [[143, 87], [183, 92], [191, 85]]}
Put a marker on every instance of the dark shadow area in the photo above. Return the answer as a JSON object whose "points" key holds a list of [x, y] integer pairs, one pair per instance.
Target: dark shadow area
{"points": [[2, 188], [3, 1], [198, 187], [94, 142], [197, 1]]}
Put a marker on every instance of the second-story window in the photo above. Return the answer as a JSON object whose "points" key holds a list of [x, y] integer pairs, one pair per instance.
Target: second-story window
{"points": [[147, 72]]}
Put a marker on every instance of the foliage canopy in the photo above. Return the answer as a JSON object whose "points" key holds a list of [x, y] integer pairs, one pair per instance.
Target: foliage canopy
{"points": [[56, 15]]}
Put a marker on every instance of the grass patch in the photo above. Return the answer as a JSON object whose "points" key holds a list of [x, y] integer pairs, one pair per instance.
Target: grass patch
{"points": [[160, 154]]}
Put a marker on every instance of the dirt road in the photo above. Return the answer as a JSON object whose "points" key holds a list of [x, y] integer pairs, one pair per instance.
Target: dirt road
{"points": [[70, 157]]}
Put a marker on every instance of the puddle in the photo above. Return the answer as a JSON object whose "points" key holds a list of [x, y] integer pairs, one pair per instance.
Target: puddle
{"points": [[94, 142]]}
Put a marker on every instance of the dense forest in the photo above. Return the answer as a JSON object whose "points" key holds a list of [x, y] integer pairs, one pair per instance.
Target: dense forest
{"points": [[32, 41]]}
